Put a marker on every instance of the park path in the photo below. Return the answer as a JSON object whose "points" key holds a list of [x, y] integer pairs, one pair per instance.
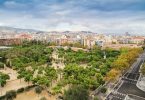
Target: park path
{"points": [[31, 95], [13, 83]]}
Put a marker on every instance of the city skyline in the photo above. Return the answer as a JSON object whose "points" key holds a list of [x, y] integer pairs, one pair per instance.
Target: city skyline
{"points": [[72, 15]]}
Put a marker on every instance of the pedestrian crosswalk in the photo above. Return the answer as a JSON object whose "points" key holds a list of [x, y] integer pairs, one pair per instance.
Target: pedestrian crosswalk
{"points": [[116, 96]]}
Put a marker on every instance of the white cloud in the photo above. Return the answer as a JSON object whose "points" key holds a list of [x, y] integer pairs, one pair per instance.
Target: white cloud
{"points": [[70, 16]]}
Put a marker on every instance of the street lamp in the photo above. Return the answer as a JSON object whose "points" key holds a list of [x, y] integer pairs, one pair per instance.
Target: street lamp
{"points": [[104, 54], [1, 86]]}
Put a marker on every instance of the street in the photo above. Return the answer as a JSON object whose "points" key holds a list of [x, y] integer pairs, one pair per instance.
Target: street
{"points": [[127, 85]]}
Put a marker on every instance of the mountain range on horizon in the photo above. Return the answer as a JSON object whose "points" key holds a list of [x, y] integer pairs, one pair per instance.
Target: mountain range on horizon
{"points": [[7, 29]]}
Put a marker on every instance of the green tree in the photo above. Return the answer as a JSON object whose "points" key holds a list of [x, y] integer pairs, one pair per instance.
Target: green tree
{"points": [[76, 93], [3, 78], [143, 69]]}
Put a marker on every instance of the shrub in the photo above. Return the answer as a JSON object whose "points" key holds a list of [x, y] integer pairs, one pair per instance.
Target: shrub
{"points": [[11, 94], [29, 87], [43, 98], [1, 65], [96, 98], [57, 89], [143, 69], [103, 90], [76, 93], [20, 90], [3, 78], [2, 97], [38, 89]]}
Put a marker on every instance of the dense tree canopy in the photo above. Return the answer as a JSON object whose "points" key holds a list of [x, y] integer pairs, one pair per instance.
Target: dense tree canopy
{"points": [[22, 56], [33, 62], [123, 62], [74, 74]]}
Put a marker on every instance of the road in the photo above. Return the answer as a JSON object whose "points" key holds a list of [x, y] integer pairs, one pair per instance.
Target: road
{"points": [[127, 84]]}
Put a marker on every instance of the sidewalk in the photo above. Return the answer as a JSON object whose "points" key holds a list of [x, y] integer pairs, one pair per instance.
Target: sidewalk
{"points": [[141, 84]]}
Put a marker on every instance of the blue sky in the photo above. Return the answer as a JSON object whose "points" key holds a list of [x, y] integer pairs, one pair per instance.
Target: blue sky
{"points": [[102, 16]]}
